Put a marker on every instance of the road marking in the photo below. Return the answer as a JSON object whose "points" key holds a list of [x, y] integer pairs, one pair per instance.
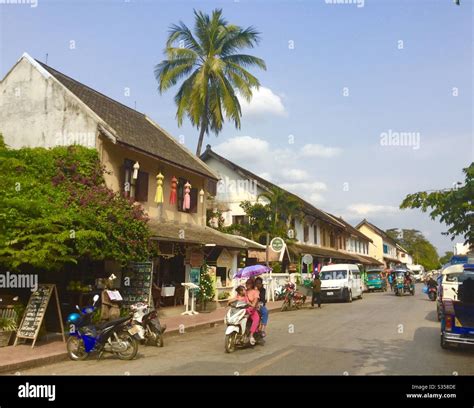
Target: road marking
{"points": [[267, 363]]}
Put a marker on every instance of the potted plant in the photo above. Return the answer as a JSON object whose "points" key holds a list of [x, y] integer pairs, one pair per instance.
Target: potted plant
{"points": [[7, 328], [206, 292]]}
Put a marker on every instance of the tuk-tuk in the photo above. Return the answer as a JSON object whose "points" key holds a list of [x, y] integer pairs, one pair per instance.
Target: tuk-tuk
{"points": [[404, 282], [457, 321], [374, 280]]}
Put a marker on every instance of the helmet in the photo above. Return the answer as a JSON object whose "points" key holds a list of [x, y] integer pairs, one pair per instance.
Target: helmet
{"points": [[73, 318]]}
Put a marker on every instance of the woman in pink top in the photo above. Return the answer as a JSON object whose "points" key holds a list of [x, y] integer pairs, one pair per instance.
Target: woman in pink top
{"points": [[253, 296]]}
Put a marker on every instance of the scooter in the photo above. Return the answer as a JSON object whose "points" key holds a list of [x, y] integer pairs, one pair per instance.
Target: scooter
{"points": [[116, 336], [149, 327], [293, 298], [237, 332], [432, 293]]}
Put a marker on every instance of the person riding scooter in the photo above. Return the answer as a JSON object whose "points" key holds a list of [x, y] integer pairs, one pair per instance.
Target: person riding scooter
{"points": [[253, 296], [262, 305]]}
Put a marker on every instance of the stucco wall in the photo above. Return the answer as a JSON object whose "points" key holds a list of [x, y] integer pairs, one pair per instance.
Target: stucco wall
{"points": [[113, 156], [35, 111], [376, 247], [232, 189]]}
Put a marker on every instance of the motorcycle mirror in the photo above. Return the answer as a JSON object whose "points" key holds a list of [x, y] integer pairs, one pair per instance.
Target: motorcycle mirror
{"points": [[78, 308], [95, 298]]}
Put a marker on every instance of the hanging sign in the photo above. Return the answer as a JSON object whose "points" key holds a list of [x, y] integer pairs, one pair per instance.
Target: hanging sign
{"points": [[307, 259], [277, 244]]}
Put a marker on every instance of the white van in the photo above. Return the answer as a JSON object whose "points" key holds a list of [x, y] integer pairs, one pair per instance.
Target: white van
{"points": [[341, 281]]}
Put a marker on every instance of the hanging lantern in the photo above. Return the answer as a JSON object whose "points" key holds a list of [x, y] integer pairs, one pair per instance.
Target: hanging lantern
{"points": [[174, 188], [201, 196], [136, 167], [159, 188], [187, 196]]}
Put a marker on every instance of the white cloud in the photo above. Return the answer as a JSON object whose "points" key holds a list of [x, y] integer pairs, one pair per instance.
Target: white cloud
{"points": [[294, 175], [366, 209], [264, 102], [243, 149], [317, 150]]}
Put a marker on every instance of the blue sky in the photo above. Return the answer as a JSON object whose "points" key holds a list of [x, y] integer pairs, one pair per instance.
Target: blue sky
{"points": [[339, 77]]}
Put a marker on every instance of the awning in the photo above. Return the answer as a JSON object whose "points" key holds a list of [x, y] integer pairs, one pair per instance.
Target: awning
{"points": [[301, 249], [194, 234], [371, 261]]}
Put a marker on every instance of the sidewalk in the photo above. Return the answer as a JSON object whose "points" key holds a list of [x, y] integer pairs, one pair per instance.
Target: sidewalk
{"points": [[13, 359]]}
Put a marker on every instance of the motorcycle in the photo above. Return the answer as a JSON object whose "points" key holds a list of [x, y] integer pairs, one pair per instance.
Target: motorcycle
{"points": [[149, 328], [280, 293], [293, 299], [237, 332], [432, 293], [116, 336]]}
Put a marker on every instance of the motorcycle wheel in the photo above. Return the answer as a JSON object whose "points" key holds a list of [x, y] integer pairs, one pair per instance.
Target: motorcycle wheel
{"points": [[229, 344], [432, 296], [75, 349], [159, 342], [132, 348], [284, 306]]}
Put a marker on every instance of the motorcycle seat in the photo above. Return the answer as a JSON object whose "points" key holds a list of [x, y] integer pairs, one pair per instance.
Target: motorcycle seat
{"points": [[114, 322]]}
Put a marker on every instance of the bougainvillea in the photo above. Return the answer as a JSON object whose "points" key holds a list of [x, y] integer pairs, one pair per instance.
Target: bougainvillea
{"points": [[55, 208]]}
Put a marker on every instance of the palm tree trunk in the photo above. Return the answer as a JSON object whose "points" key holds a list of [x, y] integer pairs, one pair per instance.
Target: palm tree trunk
{"points": [[200, 140]]}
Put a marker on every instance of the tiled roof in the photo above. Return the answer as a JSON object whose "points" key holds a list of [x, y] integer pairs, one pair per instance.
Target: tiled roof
{"points": [[195, 234], [307, 208], [133, 128]]}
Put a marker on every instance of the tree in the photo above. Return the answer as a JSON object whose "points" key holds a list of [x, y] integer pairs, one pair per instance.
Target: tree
{"points": [[55, 209], [454, 207], [422, 251], [284, 206], [446, 257], [213, 71]]}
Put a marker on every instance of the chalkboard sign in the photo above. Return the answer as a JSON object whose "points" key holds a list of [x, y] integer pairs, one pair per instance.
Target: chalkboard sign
{"points": [[35, 311], [136, 283]]}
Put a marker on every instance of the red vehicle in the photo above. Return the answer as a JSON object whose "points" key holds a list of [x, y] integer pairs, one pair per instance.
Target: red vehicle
{"points": [[293, 299]]}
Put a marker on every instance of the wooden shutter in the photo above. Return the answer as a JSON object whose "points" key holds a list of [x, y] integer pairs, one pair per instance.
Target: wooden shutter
{"points": [[181, 183], [211, 187], [141, 187], [194, 200]]}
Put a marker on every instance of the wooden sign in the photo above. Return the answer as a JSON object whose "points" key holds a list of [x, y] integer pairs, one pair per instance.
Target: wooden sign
{"points": [[35, 311], [137, 283]]}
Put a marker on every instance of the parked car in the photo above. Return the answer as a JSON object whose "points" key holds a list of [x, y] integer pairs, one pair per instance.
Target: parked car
{"points": [[341, 282]]}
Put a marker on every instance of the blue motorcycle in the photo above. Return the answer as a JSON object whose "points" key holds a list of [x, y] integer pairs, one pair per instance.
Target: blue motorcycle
{"points": [[117, 336]]}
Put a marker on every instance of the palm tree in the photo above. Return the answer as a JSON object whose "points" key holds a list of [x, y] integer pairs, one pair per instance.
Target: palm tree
{"points": [[213, 70], [284, 206]]}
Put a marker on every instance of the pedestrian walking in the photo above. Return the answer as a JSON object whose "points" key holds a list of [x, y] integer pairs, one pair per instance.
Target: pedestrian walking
{"points": [[316, 291]]}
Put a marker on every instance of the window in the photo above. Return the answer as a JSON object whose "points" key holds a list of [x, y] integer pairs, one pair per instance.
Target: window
{"points": [[328, 275], [332, 240], [315, 230], [306, 233], [323, 234], [141, 187], [385, 248], [240, 219]]}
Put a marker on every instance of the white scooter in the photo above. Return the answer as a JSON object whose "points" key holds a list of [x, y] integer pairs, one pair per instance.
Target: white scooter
{"points": [[147, 324], [237, 332]]}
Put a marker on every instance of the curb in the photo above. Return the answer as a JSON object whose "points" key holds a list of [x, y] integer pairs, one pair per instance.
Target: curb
{"points": [[42, 361]]}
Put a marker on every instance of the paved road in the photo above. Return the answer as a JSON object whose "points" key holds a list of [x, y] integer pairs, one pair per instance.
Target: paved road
{"points": [[380, 334]]}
